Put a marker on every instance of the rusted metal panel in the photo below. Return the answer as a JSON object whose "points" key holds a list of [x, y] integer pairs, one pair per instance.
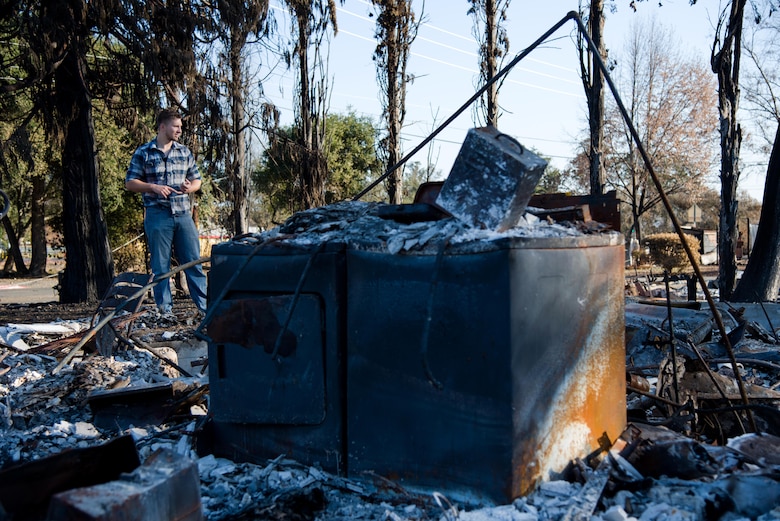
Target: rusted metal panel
{"points": [[568, 357], [604, 208], [522, 367]]}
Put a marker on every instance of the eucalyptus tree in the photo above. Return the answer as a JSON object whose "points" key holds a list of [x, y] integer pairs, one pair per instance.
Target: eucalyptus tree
{"points": [[227, 117], [489, 17], [396, 29], [311, 24], [593, 83]]}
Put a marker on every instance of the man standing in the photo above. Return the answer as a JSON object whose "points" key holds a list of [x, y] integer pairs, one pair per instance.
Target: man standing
{"points": [[164, 171]]}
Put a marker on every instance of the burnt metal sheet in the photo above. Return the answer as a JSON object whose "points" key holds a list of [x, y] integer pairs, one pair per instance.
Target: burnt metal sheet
{"points": [[603, 208], [264, 407], [522, 368], [281, 370], [568, 357], [485, 369], [491, 181]]}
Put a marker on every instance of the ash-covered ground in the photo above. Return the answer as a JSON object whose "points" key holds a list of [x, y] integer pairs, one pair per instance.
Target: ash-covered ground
{"points": [[691, 459]]}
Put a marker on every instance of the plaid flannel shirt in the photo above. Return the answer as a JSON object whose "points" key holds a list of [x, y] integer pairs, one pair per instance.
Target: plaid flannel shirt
{"points": [[149, 164]]}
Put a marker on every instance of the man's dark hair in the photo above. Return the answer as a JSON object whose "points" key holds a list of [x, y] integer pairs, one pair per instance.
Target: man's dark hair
{"points": [[165, 115]]}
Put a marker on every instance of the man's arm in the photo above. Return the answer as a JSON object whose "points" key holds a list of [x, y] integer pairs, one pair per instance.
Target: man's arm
{"points": [[142, 187]]}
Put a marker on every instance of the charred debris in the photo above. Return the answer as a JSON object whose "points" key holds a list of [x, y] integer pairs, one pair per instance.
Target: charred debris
{"points": [[113, 416]]}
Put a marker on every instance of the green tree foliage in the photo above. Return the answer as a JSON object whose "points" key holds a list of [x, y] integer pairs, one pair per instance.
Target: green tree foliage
{"points": [[123, 209], [350, 152], [415, 174], [67, 56]]}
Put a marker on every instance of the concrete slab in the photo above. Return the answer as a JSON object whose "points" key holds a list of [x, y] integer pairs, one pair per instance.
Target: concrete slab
{"points": [[166, 487]]}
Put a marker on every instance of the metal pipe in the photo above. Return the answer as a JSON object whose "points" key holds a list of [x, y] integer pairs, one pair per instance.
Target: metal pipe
{"points": [[672, 344], [294, 302]]}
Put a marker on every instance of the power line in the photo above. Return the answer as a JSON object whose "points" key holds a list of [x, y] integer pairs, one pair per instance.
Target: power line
{"points": [[471, 54]]}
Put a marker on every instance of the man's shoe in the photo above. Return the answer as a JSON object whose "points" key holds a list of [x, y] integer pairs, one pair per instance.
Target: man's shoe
{"points": [[167, 316]]}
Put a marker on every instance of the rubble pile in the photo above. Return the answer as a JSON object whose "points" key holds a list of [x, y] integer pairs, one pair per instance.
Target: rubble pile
{"points": [[690, 451], [376, 226]]}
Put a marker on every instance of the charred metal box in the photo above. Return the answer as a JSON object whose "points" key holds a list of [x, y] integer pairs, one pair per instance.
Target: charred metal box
{"points": [[484, 367], [276, 355], [491, 181]]}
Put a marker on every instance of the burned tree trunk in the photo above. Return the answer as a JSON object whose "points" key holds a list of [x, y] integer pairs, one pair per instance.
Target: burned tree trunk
{"points": [[15, 254], [593, 84], [594, 91], [89, 263], [38, 227], [725, 63], [237, 160], [761, 279]]}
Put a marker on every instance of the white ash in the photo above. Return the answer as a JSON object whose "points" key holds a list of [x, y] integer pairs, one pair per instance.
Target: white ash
{"points": [[43, 413], [359, 225]]}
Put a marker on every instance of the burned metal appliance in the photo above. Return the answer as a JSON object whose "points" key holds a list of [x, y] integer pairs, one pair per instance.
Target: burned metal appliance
{"points": [[426, 352]]}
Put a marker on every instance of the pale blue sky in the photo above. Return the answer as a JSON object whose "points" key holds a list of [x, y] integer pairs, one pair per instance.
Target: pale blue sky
{"points": [[544, 107]]}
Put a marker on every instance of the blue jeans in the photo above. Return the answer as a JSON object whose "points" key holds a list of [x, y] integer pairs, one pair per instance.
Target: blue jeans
{"points": [[167, 233]]}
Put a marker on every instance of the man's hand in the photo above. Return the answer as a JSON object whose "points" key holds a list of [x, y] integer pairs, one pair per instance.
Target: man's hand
{"points": [[190, 186], [164, 190]]}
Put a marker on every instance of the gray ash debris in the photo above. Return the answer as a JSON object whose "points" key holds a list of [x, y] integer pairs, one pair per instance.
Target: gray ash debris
{"points": [[375, 226]]}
